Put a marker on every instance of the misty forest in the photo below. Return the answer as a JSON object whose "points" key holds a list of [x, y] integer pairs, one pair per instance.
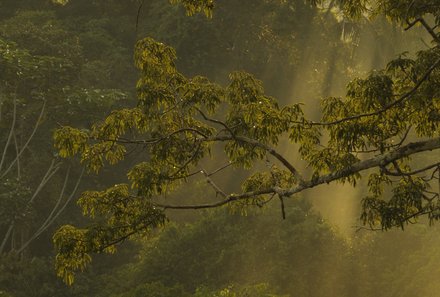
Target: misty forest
{"points": [[219, 148]]}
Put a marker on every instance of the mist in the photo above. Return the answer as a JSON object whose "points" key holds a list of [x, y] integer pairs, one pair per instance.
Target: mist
{"points": [[71, 65]]}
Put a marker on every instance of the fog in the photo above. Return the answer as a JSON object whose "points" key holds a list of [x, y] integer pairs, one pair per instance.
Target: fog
{"points": [[72, 64]]}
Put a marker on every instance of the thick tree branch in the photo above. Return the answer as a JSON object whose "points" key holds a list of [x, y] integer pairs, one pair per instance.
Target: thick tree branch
{"points": [[379, 161]]}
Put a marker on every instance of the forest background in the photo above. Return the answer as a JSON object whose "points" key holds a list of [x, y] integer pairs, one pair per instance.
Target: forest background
{"points": [[72, 64]]}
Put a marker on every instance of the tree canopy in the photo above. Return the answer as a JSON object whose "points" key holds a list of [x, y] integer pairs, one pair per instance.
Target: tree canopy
{"points": [[386, 129]]}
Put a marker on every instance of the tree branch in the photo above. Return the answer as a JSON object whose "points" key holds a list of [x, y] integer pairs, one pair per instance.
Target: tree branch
{"points": [[138, 15], [216, 122], [381, 160], [154, 140], [40, 116], [427, 27], [52, 216], [214, 185], [230, 198], [5, 239], [401, 173], [17, 150], [283, 210], [250, 141], [53, 168], [11, 131], [382, 110], [211, 173], [267, 148]]}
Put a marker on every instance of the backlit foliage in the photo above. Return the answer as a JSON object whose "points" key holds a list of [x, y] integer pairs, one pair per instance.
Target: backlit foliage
{"points": [[195, 6], [120, 215], [180, 122]]}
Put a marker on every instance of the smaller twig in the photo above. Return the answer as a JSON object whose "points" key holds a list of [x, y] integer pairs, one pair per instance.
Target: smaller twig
{"points": [[17, 150], [263, 203], [267, 148], [11, 132], [401, 173], [193, 156], [7, 235], [40, 116], [283, 211], [221, 168], [427, 27], [55, 211], [211, 182], [380, 111], [402, 140], [53, 168], [430, 192], [138, 15], [359, 228], [153, 140], [411, 24], [229, 199], [430, 30], [215, 121], [212, 172]]}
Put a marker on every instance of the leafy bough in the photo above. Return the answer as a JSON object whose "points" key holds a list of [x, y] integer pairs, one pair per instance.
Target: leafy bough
{"points": [[181, 123]]}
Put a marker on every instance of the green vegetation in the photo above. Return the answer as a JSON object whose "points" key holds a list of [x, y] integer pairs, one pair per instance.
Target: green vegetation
{"points": [[198, 131], [180, 122]]}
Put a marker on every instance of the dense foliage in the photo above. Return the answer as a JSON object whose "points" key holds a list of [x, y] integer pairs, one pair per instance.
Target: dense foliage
{"points": [[180, 122], [45, 83], [195, 142]]}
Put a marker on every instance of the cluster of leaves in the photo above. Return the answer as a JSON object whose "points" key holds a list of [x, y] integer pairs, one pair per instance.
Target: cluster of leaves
{"points": [[47, 58], [173, 112], [180, 121], [178, 138], [127, 216], [195, 6]]}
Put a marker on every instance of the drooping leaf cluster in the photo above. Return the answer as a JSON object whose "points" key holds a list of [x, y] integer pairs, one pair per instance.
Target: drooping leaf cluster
{"points": [[128, 216], [179, 122]]}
